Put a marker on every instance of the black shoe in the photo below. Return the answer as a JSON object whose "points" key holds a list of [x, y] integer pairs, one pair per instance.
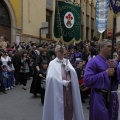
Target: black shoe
{"points": [[24, 88], [35, 95], [5, 92]]}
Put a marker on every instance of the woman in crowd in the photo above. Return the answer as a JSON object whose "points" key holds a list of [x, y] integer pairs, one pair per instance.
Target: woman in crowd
{"points": [[24, 70], [5, 58]]}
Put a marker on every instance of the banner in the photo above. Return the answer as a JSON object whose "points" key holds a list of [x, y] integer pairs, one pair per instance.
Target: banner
{"points": [[115, 4], [67, 23], [102, 15]]}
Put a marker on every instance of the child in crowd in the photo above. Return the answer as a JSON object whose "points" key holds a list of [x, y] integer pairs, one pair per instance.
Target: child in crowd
{"points": [[2, 88], [42, 75], [11, 79], [80, 72], [5, 76]]}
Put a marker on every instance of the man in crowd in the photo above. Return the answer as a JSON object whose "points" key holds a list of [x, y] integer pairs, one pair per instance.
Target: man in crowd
{"points": [[97, 76], [62, 97]]}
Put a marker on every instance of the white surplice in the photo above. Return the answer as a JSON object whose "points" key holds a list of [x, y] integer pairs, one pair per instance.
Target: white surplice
{"points": [[54, 101]]}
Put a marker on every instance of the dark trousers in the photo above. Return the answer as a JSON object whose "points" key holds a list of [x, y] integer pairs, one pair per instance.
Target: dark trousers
{"points": [[2, 86], [24, 77], [42, 95], [18, 77]]}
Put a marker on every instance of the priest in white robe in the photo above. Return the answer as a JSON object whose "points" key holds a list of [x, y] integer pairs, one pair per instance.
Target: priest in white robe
{"points": [[62, 96]]}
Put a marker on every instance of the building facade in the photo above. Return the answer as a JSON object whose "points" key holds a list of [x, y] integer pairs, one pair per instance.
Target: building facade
{"points": [[118, 30], [21, 20]]}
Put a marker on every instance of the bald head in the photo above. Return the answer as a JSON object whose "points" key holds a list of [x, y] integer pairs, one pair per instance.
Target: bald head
{"points": [[58, 47]]}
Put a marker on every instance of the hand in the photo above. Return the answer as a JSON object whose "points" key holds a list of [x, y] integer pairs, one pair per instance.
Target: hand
{"points": [[65, 83], [111, 64], [67, 68], [110, 71], [40, 75], [86, 88]]}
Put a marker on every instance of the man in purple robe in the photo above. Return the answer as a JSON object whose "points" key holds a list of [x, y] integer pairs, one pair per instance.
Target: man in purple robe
{"points": [[97, 76]]}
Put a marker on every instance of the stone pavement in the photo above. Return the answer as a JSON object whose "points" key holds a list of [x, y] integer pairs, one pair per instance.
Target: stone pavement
{"points": [[19, 104]]}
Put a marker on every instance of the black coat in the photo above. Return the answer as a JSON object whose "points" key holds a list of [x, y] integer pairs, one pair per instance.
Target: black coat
{"points": [[36, 82], [33, 55]]}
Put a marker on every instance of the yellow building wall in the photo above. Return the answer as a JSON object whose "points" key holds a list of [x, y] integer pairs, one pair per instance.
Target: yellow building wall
{"points": [[110, 21], [34, 13], [16, 8]]}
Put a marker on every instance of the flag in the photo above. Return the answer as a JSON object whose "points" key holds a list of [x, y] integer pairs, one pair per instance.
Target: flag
{"points": [[102, 15], [67, 22], [115, 4]]}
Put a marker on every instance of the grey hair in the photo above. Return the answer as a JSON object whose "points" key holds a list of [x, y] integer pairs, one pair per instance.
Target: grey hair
{"points": [[103, 42]]}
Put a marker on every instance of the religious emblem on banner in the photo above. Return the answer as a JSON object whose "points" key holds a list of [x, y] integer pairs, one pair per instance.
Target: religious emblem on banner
{"points": [[67, 22], [102, 15]]}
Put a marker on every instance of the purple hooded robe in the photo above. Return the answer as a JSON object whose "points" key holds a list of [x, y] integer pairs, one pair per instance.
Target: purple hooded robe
{"points": [[96, 78]]}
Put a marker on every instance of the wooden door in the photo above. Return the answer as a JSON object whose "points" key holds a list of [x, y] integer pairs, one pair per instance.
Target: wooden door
{"points": [[5, 21]]}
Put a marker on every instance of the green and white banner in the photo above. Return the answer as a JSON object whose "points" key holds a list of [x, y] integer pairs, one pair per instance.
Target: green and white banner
{"points": [[67, 23]]}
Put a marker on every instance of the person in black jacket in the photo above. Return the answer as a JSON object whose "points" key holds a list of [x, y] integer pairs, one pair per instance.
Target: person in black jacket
{"points": [[36, 83], [16, 62], [2, 88]]}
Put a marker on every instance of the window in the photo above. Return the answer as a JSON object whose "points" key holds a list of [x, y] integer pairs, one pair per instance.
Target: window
{"points": [[92, 23], [87, 33], [92, 34], [87, 20], [82, 32], [49, 4], [49, 20]]}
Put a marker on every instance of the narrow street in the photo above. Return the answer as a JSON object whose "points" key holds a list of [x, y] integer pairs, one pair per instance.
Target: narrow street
{"points": [[19, 104]]}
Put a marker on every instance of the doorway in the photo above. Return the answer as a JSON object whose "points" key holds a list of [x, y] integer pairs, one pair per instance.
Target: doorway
{"points": [[5, 21]]}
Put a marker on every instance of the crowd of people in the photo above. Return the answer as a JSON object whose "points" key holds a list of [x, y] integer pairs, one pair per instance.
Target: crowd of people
{"points": [[29, 59], [20, 62]]}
